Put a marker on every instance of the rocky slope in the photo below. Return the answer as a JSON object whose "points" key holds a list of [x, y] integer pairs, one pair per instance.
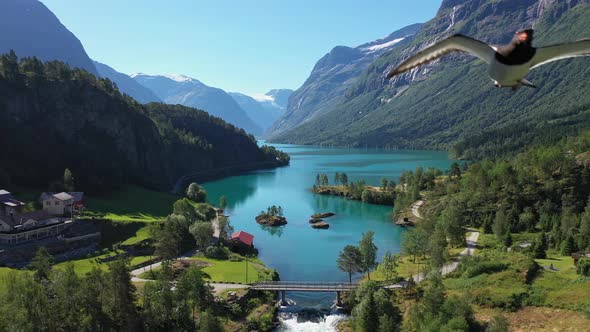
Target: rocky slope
{"points": [[126, 84], [333, 75], [187, 91], [30, 29], [265, 110], [452, 101]]}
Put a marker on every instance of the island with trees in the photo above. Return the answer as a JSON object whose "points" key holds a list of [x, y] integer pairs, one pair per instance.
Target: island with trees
{"points": [[273, 216]]}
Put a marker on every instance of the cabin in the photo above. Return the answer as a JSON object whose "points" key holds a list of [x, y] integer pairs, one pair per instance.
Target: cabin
{"points": [[242, 237]]}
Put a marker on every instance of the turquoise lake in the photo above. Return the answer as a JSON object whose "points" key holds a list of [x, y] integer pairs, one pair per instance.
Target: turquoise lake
{"points": [[297, 251]]}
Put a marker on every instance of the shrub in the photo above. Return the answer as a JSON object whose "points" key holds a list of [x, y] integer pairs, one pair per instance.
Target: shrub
{"points": [[216, 252], [583, 267], [485, 267], [235, 257]]}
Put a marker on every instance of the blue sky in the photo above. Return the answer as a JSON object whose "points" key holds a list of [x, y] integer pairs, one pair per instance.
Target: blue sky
{"points": [[248, 46]]}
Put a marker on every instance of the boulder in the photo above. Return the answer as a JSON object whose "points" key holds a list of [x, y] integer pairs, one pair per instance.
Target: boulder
{"points": [[315, 220]]}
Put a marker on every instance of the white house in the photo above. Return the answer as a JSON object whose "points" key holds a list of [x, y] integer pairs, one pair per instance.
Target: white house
{"points": [[59, 204]]}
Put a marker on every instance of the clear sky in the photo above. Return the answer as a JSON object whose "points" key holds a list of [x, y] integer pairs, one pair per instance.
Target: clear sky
{"points": [[248, 46]]}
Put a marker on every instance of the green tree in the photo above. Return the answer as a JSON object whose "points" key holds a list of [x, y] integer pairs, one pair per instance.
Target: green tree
{"points": [[389, 265], [368, 251], [41, 264], [209, 323], [225, 227], [568, 246], [350, 260], [540, 247], [68, 180], [414, 243], [119, 300], [344, 179], [434, 294], [384, 184], [194, 291], [366, 317], [185, 207], [167, 243], [203, 233], [583, 267], [196, 193], [336, 178], [498, 323], [222, 202]]}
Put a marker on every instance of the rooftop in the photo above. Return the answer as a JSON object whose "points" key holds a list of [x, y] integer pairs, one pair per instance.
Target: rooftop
{"points": [[243, 237]]}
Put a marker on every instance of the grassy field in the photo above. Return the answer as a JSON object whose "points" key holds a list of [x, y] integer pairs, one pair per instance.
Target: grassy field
{"points": [[562, 287], [225, 270], [132, 204], [85, 265]]}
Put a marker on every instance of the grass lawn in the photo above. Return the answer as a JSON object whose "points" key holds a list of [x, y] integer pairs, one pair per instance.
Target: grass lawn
{"points": [[563, 288], [85, 265], [225, 270], [132, 204]]}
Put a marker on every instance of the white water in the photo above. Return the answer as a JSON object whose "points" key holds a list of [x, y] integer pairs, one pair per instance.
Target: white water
{"points": [[327, 324]]}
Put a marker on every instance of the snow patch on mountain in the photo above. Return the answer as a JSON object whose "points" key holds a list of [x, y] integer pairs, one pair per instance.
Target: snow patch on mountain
{"points": [[261, 97], [384, 45]]}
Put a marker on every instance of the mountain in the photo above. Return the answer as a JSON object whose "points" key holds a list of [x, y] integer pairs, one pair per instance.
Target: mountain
{"points": [[126, 84], [52, 118], [333, 75], [451, 104], [183, 90], [31, 29], [265, 109]]}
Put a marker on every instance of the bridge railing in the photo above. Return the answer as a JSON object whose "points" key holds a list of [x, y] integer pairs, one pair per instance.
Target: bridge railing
{"points": [[304, 285]]}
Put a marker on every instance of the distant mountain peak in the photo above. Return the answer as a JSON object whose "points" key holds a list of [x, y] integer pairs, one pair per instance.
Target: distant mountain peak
{"points": [[174, 77]]}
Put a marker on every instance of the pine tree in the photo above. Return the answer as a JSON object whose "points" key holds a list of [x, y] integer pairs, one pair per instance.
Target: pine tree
{"points": [[568, 246]]}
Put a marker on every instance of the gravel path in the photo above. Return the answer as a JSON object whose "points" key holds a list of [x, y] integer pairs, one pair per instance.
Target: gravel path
{"points": [[451, 266]]}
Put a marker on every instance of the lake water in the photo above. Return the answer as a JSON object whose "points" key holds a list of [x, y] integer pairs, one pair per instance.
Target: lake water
{"points": [[299, 252]]}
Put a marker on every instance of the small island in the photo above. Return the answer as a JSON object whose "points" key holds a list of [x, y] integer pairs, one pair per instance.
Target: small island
{"points": [[315, 220], [320, 225], [322, 215], [273, 216]]}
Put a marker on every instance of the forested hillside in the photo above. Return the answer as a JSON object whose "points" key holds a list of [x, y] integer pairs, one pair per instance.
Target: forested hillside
{"points": [[53, 117], [452, 103]]}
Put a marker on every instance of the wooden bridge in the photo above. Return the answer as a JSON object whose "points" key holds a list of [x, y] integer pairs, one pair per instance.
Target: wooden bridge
{"points": [[304, 286]]}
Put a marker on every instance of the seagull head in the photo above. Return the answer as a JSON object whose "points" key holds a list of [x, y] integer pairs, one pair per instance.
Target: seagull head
{"points": [[524, 36]]}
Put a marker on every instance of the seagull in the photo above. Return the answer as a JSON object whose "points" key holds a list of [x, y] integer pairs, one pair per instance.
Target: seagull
{"points": [[507, 65]]}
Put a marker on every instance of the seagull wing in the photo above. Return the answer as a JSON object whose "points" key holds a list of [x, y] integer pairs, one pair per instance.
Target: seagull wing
{"points": [[456, 43], [561, 51]]}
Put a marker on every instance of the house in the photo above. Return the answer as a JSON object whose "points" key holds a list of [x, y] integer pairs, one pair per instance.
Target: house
{"points": [[17, 226], [77, 195], [59, 204], [242, 237], [8, 204]]}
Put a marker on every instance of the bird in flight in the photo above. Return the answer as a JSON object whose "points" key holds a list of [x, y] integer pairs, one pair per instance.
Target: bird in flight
{"points": [[507, 65]]}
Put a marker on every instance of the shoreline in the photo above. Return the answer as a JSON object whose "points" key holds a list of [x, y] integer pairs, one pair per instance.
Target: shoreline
{"points": [[222, 172]]}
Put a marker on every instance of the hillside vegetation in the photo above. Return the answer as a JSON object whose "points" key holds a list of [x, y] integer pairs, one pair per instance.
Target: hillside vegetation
{"points": [[53, 117], [451, 104]]}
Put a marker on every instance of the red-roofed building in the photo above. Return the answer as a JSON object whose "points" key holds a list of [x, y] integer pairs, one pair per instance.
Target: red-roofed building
{"points": [[243, 237]]}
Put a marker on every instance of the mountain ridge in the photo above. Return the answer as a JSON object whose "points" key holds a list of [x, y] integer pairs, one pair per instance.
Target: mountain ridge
{"points": [[187, 91], [445, 102], [333, 75], [31, 29]]}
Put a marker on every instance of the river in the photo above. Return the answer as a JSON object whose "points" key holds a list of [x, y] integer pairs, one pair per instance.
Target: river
{"points": [[299, 252]]}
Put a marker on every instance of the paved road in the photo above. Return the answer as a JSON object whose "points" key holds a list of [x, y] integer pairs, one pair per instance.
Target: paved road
{"points": [[451, 266], [416, 209]]}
